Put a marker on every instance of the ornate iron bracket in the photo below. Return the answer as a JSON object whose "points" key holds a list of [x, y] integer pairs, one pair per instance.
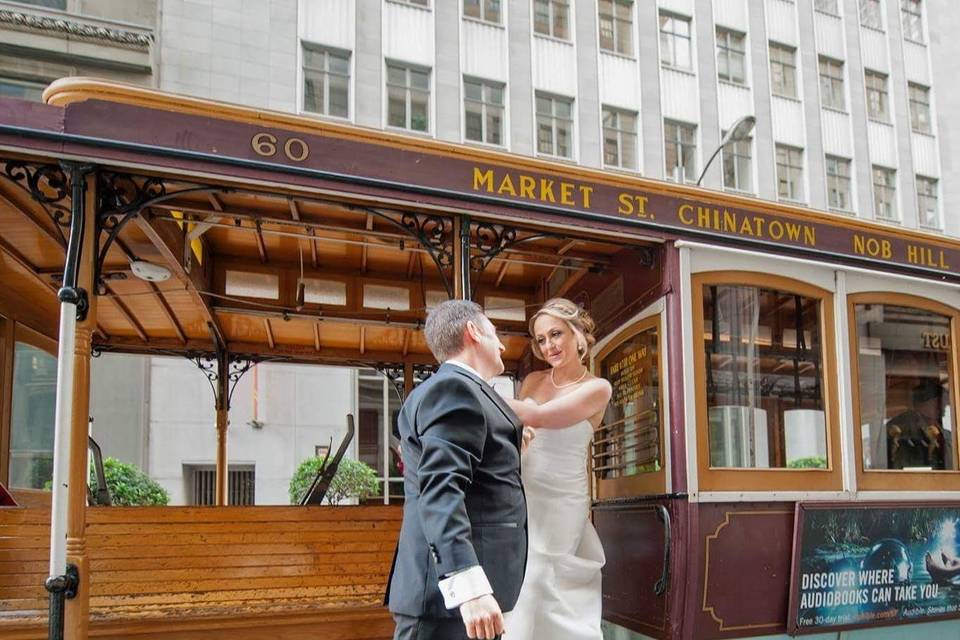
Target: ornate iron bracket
{"points": [[212, 365], [490, 240], [47, 184], [434, 234], [393, 372], [121, 197]]}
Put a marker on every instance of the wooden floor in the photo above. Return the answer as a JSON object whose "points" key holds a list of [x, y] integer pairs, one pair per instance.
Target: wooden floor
{"points": [[208, 572]]}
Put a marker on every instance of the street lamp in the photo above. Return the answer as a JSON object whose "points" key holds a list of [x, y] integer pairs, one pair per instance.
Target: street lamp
{"points": [[739, 131]]}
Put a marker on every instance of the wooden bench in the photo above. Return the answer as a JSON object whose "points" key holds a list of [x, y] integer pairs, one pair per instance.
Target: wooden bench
{"points": [[211, 572]]}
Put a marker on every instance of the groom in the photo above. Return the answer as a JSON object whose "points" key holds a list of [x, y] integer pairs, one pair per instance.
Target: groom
{"points": [[463, 544]]}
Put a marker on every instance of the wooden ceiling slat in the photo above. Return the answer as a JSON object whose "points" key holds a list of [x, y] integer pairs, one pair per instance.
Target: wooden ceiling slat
{"points": [[269, 332], [127, 315]]}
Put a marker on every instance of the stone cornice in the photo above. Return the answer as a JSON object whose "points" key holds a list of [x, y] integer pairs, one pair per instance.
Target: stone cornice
{"points": [[65, 26]]}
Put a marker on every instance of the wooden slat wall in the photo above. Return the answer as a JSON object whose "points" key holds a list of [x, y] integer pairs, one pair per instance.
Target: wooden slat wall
{"points": [[197, 562]]}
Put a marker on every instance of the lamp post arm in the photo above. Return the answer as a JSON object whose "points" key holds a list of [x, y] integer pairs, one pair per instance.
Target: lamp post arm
{"points": [[709, 162]]}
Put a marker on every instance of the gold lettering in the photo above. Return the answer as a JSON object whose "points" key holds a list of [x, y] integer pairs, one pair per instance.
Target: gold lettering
{"points": [[775, 229], [546, 190], [585, 192], [729, 222], [703, 217], [626, 204], [745, 227], [527, 186], [683, 211], [793, 231], [810, 236], [912, 254], [506, 186], [566, 193], [641, 205], [858, 246], [758, 221], [482, 179], [943, 262]]}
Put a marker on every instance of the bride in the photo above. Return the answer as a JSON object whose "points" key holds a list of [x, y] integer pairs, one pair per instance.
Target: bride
{"points": [[560, 597]]}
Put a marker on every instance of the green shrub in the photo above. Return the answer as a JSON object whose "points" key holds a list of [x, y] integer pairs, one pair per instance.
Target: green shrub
{"points": [[130, 487], [354, 479], [812, 462]]}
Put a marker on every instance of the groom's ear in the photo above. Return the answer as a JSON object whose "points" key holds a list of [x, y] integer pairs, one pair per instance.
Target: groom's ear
{"points": [[471, 332]]}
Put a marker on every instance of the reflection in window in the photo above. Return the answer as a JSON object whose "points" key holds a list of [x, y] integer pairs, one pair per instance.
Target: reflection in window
{"points": [[764, 378], [905, 404], [628, 441], [378, 406], [34, 403]]}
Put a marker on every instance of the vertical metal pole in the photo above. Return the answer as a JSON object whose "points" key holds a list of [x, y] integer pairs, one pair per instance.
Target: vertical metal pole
{"points": [[63, 581], [223, 421], [464, 241]]}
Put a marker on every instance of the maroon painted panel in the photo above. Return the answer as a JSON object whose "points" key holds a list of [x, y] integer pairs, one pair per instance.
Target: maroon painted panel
{"points": [[418, 176], [30, 115], [633, 544], [745, 551]]}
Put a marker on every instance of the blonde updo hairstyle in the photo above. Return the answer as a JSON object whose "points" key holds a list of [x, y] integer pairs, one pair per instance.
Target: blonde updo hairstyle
{"points": [[576, 318]]}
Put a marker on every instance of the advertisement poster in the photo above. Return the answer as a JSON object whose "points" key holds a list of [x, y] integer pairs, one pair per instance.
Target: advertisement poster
{"points": [[862, 565]]}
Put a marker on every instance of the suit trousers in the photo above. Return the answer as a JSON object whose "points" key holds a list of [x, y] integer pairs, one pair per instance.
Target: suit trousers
{"points": [[410, 628]]}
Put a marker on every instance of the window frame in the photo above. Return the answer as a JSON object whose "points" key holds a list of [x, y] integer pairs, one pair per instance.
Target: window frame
{"points": [[935, 196], [909, 16], [794, 197], [774, 90], [778, 478], [483, 13], [651, 482], [17, 332], [829, 159], [552, 20], [863, 11], [407, 68], [898, 479], [553, 98], [887, 171], [615, 21], [484, 85], [621, 133], [836, 83], [920, 107], [869, 74], [306, 46], [685, 179], [736, 157], [834, 12], [673, 36], [725, 51]]}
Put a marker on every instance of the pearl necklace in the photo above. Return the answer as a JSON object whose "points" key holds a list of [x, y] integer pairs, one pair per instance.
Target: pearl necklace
{"points": [[568, 384]]}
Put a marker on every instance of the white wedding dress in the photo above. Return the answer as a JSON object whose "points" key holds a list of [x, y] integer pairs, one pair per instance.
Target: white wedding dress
{"points": [[560, 598]]}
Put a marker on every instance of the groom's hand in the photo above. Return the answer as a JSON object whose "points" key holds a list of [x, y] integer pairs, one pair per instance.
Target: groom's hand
{"points": [[482, 618]]}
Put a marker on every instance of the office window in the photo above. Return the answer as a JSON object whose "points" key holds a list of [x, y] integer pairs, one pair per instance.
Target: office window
{"points": [[877, 99], [783, 70], [552, 18], [920, 108], [616, 26], [408, 97], [619, 138], [827, 6], [831, 84], [731, 56], [838, 183], [927, 202], [419, 3], [871, 14], [912, 14], [326, 82], [483, 111], [885, 193], [11, 88], [675, 43], [680, 144], [737, 171], [554, 126], [789, 172], [34, 402], [486, 10]]}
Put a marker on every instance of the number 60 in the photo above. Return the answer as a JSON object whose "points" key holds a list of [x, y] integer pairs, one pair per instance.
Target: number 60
{"points": [[265, 144]]}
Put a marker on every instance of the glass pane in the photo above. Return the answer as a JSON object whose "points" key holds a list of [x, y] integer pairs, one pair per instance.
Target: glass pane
{"points": [[339, 96], [631, 430], [370, 422], [338, 64], [625, 36], [396, 76], [563, 141], [544, 106], [905, 401], [764, 378], [494, 125], [541, 16], [560, 20], [313, 92], [544, 136], [396, 107], [611, 151], [494, 95], [471, 8], [473, 121], [493, 11], [472, 90], [419, 120], [34, 403], [563, 108], [419, 79]]}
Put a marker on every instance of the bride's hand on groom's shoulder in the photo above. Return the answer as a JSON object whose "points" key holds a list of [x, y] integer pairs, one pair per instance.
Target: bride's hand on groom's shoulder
{"points": [[528, 435], [482, 617]]}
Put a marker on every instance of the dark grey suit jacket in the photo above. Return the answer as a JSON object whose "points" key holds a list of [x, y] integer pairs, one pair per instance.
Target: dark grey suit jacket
{"points": [[464, 502]]}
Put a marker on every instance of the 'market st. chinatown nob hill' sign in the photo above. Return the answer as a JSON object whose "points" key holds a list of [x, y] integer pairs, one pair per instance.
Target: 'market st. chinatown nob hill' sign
{"points": [[421, 171], [861, 565]]}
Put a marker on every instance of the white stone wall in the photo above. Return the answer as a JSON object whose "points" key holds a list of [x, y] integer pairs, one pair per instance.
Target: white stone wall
{"points": [[242, 51]]}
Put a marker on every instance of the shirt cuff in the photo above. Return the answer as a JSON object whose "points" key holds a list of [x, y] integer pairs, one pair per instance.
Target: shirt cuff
{"points": [[464, 585]]}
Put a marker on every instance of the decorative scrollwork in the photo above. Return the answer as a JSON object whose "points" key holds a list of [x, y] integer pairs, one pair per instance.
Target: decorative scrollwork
{"points": [[213, 364], [489, 241], [47, 184], [120, 193], [207, 363], [435, 235]]}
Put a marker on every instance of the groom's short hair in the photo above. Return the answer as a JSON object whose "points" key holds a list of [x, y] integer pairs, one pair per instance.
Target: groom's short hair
{"points": [[445, 325]]}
